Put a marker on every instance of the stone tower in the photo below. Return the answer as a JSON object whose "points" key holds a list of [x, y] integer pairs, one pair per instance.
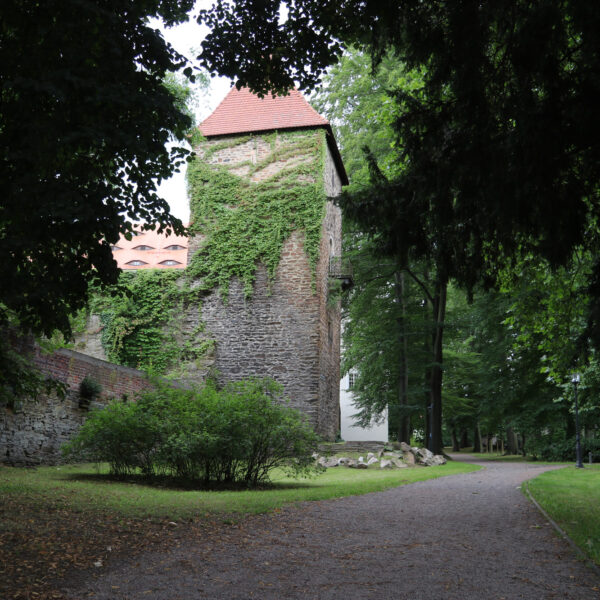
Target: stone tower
{"points": [[265, 233]]}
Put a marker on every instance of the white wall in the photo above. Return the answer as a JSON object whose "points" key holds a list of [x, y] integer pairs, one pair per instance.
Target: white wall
{"points": [[375, 433]]}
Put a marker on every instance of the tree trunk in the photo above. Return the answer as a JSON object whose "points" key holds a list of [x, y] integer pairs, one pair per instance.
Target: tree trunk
{"points": [[464, 439], [512, 443], [455, 444], [404, 424], [477, 438], [439, 313]]}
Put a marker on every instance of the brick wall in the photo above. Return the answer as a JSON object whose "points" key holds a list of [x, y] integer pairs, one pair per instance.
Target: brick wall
{"points": [[33, 432]]}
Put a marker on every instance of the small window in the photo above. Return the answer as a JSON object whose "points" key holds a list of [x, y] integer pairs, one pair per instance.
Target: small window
{"points": [[175, 247], [136, 263], [351, 380], [143, 247], [114, 248], [169, 263]]}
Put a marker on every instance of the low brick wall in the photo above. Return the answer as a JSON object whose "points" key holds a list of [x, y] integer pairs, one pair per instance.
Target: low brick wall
{"points": [[33, 431]]}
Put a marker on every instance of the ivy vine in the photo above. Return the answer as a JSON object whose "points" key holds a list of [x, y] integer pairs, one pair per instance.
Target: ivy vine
{"points": [[244, 223], [141, 321]]}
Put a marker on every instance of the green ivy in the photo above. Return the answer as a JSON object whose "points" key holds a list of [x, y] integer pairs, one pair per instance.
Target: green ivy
{"points": [[245, 223], [141, 321]]}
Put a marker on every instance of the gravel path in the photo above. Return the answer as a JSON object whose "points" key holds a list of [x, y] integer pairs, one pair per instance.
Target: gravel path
{"points": [[459, 537]]}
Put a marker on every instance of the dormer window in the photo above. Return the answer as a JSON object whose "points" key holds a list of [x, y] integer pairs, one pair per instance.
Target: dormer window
{"points": [[136, 263], [169, 263], [143, 247], [175, 247]]}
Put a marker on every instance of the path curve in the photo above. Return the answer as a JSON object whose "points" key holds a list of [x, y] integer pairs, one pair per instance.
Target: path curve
{"points": [[458, 537]]}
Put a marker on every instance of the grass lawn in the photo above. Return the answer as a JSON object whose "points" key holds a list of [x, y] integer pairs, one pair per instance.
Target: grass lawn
{"points": [[572, 498], [85, 488], [56, 519]]}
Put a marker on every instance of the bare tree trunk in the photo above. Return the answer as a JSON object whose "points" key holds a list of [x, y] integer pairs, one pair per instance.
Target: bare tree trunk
{"points": [[464, 439], [455, 444], [404, 425], [512, 443], [477, 438], [439, 307]]}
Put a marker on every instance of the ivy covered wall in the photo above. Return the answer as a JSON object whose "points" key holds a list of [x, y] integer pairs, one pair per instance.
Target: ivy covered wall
{"points": [[264, 230], [253, 299], [247, 195], [141, 324]]}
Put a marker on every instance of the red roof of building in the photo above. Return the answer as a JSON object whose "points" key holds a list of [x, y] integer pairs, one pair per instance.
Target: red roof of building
{"points": [[241, 111]]}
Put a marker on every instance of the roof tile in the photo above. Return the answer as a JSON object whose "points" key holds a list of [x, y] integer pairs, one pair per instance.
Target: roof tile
{"points": [[241, 111]]}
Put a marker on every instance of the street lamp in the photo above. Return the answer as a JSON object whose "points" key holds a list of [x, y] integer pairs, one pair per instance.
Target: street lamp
{"points": [[430, 440], [575, 381]]}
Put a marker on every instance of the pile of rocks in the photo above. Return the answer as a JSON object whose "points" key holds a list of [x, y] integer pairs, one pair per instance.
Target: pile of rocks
{"points": [[398, 457]]}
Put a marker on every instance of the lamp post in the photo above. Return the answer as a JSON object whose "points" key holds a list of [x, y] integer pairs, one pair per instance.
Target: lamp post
{"points": [[430, 440], [575, 381]]}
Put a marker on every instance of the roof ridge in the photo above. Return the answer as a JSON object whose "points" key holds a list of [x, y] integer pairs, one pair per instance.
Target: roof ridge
{"points": [[242, 111]]}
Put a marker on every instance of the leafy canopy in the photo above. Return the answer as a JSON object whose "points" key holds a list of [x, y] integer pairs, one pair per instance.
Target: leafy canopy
{"points": [[84, 118]]}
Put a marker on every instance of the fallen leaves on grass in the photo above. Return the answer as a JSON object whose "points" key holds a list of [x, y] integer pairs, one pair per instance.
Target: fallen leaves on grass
{"points": [[41, 542]]}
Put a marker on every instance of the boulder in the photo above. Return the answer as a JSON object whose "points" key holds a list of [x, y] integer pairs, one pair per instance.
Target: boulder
{"points": [[424, 456], [370, 455], [386, 464], [399, 463], [327, 462], [405, 447], [361, 465], [372, 460], [344, 460], [408, 458]]}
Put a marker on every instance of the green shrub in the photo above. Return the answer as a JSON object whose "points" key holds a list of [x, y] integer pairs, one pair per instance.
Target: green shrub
{"points": [[230, 436], [89, 388], [560, 448]]}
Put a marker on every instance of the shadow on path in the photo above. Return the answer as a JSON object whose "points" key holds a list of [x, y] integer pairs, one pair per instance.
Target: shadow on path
{"points": [[459, 537]]}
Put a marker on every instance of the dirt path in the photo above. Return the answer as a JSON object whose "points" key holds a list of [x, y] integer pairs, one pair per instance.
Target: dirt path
{"points": [[459, 537]]}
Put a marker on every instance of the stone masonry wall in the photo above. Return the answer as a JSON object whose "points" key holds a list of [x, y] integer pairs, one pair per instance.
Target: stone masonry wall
{"points": [[33, 432], [329, 312], [286, 330]]}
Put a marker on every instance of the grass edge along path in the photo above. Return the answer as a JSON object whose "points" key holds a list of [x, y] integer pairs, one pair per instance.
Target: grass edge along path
{"points": [[571, 499], [87, 488]]}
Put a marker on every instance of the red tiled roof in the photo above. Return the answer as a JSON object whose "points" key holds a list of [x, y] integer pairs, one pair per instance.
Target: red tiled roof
{"points": [[242, 111]]}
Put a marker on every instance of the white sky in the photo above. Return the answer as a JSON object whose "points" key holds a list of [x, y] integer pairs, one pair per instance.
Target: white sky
{"points": [[186, 39]]}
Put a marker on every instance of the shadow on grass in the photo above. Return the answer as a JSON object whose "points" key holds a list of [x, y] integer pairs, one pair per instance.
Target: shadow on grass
{"points": [[181, 485]]}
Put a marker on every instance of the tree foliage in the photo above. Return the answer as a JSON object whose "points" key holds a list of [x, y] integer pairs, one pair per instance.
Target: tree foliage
{"points": [[84, 118], [501, 140]]}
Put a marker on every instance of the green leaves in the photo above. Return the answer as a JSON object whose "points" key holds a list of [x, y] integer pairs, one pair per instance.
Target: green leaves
{"points": [[246, 222], [140, 321], [84, 117], [234, 435]]}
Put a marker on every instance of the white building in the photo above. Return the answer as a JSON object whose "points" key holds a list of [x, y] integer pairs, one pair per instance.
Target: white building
{"points": [[350, 433]]}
